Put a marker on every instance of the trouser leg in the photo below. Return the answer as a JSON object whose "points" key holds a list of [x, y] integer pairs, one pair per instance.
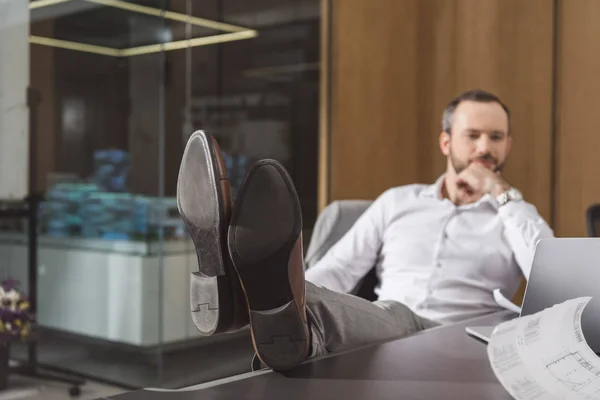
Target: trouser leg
{"points": [[341, 322]]}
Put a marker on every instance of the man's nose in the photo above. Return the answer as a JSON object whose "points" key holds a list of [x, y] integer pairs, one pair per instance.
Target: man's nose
{"points": [[483, 145]]}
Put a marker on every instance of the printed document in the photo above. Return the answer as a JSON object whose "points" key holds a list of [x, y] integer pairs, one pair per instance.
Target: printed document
{"points": [[545, 355]]}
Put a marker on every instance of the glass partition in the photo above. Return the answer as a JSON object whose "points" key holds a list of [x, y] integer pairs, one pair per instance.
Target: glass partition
{"points": [[121, 86]]}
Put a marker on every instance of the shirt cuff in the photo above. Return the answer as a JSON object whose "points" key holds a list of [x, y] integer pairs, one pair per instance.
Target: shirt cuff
{"points": [[518, 212]]}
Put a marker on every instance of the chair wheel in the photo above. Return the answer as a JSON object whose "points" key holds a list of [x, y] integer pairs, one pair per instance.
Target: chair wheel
{"points": [[75, 391]]}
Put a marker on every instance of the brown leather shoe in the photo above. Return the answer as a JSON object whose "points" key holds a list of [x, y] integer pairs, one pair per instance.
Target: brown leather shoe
{"points": [[204, 202], [265, 244]]}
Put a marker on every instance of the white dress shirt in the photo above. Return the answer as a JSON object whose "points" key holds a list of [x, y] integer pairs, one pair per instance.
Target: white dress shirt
{"points": [[441, 260]]}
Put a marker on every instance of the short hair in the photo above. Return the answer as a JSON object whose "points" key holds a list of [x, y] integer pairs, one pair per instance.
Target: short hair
{"points": [[472, 95]]}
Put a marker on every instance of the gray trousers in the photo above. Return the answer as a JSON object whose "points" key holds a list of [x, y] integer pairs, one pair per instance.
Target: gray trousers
{"points": [[342, 322]]}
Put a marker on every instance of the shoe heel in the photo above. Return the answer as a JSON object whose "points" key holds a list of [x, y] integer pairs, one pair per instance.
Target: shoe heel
{"points": [[205, 300], [280, 337]]}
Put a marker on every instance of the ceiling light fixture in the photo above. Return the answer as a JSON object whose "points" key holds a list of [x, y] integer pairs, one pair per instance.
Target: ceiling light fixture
{"points": [[234, 32], [45, 3]]}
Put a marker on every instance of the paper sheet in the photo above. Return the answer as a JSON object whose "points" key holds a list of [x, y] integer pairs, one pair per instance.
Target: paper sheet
{"points": [[545, 355]]}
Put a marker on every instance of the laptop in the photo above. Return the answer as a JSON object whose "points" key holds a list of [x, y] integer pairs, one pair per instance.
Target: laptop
{"points": [[562, 269]]}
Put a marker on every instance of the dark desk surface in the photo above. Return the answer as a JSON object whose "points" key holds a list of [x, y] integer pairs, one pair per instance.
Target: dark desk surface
{"points": [[442, 363]]}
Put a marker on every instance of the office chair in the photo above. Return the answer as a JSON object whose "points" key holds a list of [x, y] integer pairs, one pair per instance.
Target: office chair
{"points": [[593, 220], [333, 223]]}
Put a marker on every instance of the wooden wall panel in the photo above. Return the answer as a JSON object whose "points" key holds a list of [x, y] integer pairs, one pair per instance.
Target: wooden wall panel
{"points": [[436, 84], [506, 47], [396, 63], [373, 91], [577, 137]]}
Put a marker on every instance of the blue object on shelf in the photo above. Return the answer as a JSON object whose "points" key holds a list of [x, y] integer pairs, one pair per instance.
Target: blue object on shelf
{"points": [[111, 170], [86, 210]]}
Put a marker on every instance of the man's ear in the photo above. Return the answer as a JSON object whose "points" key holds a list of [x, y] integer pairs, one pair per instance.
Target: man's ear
{"points": [[445, 143]]}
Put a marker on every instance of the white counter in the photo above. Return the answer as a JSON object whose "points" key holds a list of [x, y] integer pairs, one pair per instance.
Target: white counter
{"points": [[107, 289]]}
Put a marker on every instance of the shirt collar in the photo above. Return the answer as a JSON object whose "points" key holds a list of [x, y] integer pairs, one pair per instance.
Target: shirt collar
{"points": [[434, 191]]}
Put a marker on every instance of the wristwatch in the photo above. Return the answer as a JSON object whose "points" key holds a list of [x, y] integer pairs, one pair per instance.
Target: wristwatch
{"points": [[512, 194]]}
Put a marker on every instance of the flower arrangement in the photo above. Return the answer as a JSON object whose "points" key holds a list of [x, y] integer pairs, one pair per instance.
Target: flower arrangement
{"points": [[15, 318]]}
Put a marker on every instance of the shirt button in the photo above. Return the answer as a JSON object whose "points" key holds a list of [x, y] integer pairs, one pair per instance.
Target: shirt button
{"points": [[438, 264]]}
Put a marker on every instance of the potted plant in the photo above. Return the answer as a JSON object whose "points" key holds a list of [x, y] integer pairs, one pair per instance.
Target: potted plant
{"points": [[15, 323]]}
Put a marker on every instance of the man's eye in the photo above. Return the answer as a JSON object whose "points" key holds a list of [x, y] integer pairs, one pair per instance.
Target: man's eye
{"points": [[473, 136]]}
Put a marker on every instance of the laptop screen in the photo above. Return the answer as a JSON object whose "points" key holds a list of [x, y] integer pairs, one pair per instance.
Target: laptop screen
{"points": [[563, 269]]}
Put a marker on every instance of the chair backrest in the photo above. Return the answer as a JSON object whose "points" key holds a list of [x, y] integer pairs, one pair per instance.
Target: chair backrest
{"points": [[593, 220], [331, 225]]}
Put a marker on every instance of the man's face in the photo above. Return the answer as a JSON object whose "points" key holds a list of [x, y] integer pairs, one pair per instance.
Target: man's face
{"points": [[479, 134]]}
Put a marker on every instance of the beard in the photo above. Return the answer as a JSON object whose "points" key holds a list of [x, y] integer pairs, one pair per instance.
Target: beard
{"points": [[460, 165]]}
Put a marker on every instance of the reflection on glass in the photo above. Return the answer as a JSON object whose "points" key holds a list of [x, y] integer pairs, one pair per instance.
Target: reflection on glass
{"points": [[259, 97]]}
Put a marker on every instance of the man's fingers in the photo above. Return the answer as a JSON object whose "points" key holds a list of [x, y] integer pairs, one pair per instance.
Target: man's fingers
{"points": [[468, 178], [464, 185]]}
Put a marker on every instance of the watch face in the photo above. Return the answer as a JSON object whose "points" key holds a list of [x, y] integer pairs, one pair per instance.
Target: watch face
{"points": [[515, 194]]}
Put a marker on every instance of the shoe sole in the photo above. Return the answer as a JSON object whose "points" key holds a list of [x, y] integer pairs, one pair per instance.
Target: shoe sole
{"points": [[265, 226], [210, 287]]}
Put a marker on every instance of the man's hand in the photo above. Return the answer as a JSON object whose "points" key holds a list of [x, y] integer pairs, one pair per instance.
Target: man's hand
{"points": [[477, 180]]}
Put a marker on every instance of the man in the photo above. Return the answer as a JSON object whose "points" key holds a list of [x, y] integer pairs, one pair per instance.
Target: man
{"points": [[441, 249]]}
